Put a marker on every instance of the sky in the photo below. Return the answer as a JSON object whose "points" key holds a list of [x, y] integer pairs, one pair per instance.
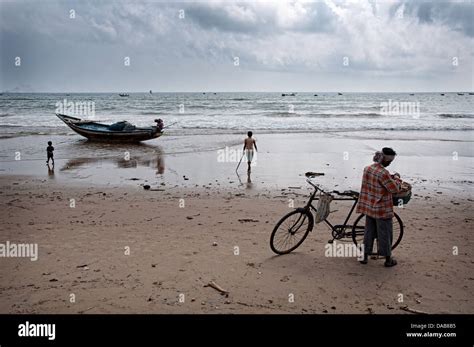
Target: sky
{"points": [[258, 46]]}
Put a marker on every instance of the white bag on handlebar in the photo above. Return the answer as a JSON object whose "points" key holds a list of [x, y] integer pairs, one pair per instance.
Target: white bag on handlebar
{"points": [[323, 209]]}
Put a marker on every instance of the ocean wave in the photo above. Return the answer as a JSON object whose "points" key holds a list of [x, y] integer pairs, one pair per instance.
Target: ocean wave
{"points": [[22, 99], [237, 130], [9, 135], [200, 130], [6, 115], [148, 113], [362, 114], [455, 115], [283, 115], [360, 107], [323, 115], [210, 107], [108, 108]]}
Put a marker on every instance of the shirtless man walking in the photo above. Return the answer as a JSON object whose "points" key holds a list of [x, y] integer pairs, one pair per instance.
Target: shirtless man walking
{"points": [[249, 144]]}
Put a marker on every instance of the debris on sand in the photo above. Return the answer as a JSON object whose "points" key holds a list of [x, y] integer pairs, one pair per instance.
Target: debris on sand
{"points": [[248, 220], [217, 287]]}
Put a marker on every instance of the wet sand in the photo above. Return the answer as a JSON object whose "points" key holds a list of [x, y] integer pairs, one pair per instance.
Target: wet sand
{"points": [[426, 159]]}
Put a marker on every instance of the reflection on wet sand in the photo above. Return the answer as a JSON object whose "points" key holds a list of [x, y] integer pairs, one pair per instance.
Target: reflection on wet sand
{"points": [[124, 161], [50, 171], [103, 147], [249, 181], [158, 162], [248, 184]]}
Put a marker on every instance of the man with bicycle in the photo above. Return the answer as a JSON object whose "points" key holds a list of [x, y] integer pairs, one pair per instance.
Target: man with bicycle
{"points": [[375, 201]]}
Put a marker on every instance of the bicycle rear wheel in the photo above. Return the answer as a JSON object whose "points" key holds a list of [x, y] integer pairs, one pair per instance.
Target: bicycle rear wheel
{"points": [[291, 231], [359, 228]]}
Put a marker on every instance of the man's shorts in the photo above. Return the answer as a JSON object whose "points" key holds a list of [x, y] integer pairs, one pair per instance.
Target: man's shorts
{"points": [[249, 154]]}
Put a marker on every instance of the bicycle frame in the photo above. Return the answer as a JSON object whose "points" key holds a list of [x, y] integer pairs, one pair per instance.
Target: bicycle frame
{"points": [[291, 231], [310, 206]]}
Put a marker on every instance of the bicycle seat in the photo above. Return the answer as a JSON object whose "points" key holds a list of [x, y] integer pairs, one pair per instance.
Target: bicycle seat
{"points": [[313, 174]]}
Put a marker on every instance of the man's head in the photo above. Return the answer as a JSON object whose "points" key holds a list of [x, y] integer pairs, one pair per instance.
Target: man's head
{"points": [[249, 134], [49, 143], [385, 157]]}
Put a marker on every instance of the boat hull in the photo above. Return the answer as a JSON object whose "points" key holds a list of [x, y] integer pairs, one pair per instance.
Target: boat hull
{"points": [[100, 132]]}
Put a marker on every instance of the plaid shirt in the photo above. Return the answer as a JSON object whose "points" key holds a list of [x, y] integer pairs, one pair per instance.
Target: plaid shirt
{"points": [[375, 198]]}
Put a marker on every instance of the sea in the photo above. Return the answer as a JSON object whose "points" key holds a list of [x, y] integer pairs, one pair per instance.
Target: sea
{"points": [[209, 112]]}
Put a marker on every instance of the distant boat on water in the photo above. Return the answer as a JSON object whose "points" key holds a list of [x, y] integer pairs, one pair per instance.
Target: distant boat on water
{"points": [[442, 94], [339, 93], [315, 94], [412, 94], [288, 94], [460, 93], [471, 93], [151, 92], [123, 95]]}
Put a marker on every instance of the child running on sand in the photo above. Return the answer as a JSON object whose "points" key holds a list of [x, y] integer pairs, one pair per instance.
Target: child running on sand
{"points": [[249, 143], [49, 152]]}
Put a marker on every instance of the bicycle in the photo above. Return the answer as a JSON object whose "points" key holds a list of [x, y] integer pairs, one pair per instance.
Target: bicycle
{"points": [[296, 225]]}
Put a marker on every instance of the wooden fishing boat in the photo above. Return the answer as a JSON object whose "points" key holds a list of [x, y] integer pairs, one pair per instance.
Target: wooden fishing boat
{"points": [[102, 132]]}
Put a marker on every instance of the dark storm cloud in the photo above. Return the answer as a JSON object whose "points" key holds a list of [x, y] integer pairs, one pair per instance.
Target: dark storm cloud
{"points": [[458, 16], [250, 18], [296, 37]]}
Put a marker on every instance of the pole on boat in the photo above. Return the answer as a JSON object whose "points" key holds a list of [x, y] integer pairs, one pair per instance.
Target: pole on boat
{"points": [[170, 125]]}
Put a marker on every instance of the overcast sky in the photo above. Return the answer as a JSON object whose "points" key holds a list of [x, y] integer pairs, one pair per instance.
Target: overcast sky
{"points": [[236, 46]]}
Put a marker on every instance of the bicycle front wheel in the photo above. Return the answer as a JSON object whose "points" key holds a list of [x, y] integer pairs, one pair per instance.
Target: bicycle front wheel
{"points": [[359, 228], [291, 231]]}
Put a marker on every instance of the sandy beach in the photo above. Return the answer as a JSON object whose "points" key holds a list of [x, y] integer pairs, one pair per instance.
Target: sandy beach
{"points": [[122, 249], [184, 168]]}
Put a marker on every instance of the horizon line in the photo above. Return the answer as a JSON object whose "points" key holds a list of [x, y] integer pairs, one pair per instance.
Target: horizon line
{"points": [[228, 92]]}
